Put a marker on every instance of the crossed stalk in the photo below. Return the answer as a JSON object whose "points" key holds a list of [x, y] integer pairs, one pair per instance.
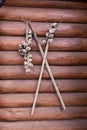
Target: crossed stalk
{"points": [[44, 54]]}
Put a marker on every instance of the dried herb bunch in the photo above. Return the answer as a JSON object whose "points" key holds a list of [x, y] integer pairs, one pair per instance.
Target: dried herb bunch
{"points": [[50, 33], [24, 49]]}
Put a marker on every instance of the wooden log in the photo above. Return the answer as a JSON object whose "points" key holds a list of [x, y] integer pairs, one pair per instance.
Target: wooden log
{"points": [[47, 113], [67, 72], [47, 4], [44, 100], [45, 125], [48, 15], [64, 30], [54, 58], [29, 86], [59, 44]]}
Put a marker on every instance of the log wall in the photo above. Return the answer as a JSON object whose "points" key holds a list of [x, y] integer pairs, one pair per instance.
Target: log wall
{"points": [[67, 57]]}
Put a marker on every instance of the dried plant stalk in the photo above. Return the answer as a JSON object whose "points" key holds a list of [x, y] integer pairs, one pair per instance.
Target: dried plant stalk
{"points": [[50, 73]]}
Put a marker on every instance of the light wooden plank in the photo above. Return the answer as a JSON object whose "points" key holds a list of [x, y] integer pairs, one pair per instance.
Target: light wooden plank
{"points": [[44, 100], [48, 15], [47, 113], [67, 72], [10, 43], [45, 125], [47, 4], [64, 30], [29, 86], [54, 58]]}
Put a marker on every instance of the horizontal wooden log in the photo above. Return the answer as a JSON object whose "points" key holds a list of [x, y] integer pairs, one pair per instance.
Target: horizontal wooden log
{"points": [[48, 15], [59, 44], [44, 100], [47, 113], [18, 72], [64, 30], [25, 86], [48, 4], [45, 125], [54, 58]]}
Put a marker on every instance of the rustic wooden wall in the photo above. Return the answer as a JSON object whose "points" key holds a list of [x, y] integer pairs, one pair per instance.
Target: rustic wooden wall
{"points": [[67, 57]]}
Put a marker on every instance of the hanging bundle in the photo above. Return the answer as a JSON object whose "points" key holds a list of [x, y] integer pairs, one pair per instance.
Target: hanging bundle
{"points": [[50, 33], [24, 49]]}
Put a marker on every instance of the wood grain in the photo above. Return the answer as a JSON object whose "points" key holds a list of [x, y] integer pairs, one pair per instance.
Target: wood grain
{"points": [[29, 86], [10, 43], [45, 125], [47, 4], [64, 30], [54, 58], [67, 72], [67, 57], [47, 113], [48, 15], [44, 100]]}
